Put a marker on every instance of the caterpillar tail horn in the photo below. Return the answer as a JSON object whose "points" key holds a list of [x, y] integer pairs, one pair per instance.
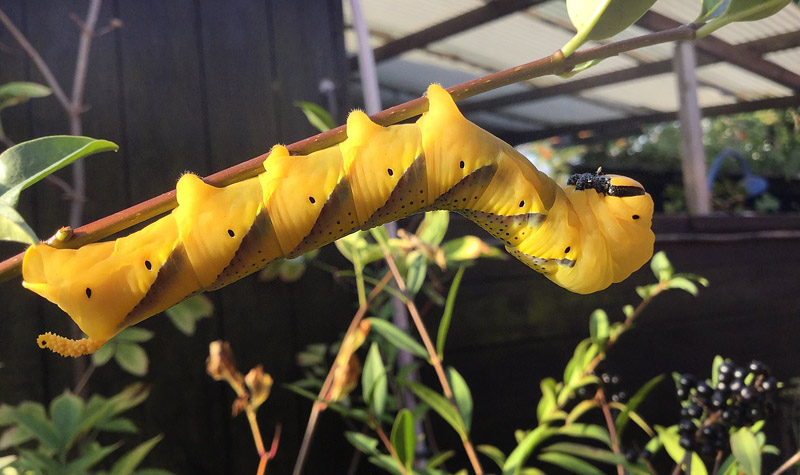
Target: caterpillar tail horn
{"points": [[67, 347]]}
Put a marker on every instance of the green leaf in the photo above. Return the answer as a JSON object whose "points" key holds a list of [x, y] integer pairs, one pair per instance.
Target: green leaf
{"points": [[397, 337], [32, 418], [588, 431], [469, 248], [433, 227], [128, 462], [718, 361], [580, 409], [548, 401], [374, 385], [24, 164], [417, 270], [65, 411], [22, 90], [570, 463], [13, 226], [447, 316], [403, 439], [671, 440], [90, 457], [386, 463], [493, 453], [462, 395], [439, 459], [118, 424], [520, 454], [362, 442], [40, 461], [104, 354], [711, 9], [441, 406], [661, 266], [13, 437], [598, 327], [599, 455], [683, 284], [746, 450], [186, 314], [627, 310], [316, 115], [132, 358], [634, 402], [134, 335]]}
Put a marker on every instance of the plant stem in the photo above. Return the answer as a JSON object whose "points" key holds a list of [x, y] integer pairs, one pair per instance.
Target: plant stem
{"points": [[788, 464], [316, 408], [436, 362], [553, 64], [387, 443], [612, 431]]}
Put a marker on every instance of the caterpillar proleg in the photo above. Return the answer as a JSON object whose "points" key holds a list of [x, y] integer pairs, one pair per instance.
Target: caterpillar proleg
{"points": [[584, 237]]}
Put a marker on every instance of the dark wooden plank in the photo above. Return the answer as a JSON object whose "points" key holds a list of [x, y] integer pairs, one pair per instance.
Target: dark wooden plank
{"points": [[491, 11]]}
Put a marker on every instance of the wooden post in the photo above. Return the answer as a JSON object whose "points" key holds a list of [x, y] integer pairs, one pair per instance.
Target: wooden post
{"points": [[694, 158]]}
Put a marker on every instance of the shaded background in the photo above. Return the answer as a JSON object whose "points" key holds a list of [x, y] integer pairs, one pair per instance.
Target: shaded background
{"points": [[193, 85]]}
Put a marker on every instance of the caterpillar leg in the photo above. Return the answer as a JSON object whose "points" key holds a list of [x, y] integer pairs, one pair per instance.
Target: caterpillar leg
{"points": [[67, 347]]}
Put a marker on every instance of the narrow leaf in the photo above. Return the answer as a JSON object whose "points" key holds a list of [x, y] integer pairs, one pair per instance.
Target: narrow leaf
{"points": [[362, 442], [447, 316], [462, 395], [13, 226], [598, 327], [570, 463], [398, 338], [661, 266], [403, 439], [634, 402], [316, 115], [746, 450], [493, 453], [441, 405], [186, 314], [520, 454], [671, 440], [128, 462], [373, 381]]}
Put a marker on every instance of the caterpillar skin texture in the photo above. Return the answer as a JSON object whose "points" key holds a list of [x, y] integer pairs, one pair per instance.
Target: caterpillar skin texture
{"points": [[584, 237]]}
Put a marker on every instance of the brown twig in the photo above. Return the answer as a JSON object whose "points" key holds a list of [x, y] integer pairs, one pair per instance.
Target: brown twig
{"points": [[612, 431], [553, 64], [316, 409], [788, 464], [435, 361], [387, 443]]}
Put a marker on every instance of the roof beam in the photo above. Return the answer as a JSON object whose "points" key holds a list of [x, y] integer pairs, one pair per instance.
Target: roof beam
{"points": [[491, 11], [728, 52], [606, 126], [757, 47]]}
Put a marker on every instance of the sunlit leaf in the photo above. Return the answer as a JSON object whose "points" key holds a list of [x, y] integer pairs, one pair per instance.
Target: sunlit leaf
{"points": [[373, 381], [128, 462], [398, 338], [132, 358], [570, 463], [441, 406], [746, 450], [461, 394], [13, 226], [316, 115], [402, 437], [447, 316], [362, 442]]}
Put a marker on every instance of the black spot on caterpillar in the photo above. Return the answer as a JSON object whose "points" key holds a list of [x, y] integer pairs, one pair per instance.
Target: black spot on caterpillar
{"points": [[218, 235]]}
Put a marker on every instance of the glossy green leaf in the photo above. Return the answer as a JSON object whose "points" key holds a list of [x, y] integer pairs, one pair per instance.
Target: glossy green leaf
{"points": [[400, 339], [447, 316], [13, 226], [439, 459], [712, 9], [493, 453], [570, 463], [599, 455], [417, 270], [386, 463], [718, 361], [441, 406], [134, 335], [461, 394], [403, 438], [186, 314], [21, 91], [24, 164], [746, 450], [374, 385], [598, 327], [362, 442], [316, 115], [580, 409], [132, 358]]}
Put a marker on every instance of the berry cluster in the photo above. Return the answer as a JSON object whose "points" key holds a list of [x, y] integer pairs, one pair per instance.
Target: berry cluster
{"points": [[738, 398], [610, 384]]}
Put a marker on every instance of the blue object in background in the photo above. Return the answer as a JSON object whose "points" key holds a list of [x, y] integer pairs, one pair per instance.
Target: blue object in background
{"points": [[754, 185]]}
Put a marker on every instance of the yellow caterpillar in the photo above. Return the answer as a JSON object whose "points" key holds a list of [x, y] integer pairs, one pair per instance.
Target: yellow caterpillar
{"points": [[592, 233]]}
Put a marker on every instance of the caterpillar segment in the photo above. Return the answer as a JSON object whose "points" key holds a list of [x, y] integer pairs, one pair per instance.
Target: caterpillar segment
{"points": [[584, 237]]}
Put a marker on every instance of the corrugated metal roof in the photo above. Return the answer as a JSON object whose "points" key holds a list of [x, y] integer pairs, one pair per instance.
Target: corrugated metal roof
{"points": [[537, 32]]}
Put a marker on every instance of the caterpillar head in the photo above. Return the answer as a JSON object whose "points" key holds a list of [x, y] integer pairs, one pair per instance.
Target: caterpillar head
{"points": [[597, 236]]}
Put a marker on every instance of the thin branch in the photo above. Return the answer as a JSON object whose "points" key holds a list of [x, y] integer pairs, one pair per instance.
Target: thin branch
{"points": [[37, 59], [436, 362], [388, 444], [612, 431], [553, 64], [788, 464], [316, 409]]}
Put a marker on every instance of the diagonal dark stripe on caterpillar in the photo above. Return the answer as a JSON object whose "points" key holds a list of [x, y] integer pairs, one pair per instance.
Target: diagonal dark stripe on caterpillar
{"points": [[584, 237]]}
